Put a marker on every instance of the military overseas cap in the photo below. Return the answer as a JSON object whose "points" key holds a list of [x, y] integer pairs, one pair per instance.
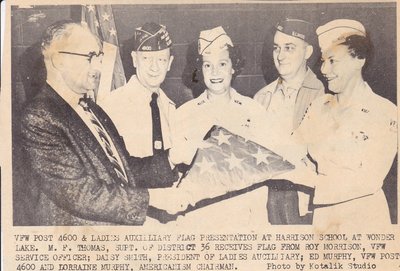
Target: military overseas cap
{"points": [[151, 37], [297, 28], [336, 32], [213, 40]]}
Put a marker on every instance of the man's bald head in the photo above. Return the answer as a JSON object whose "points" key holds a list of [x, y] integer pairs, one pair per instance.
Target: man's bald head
{"points": [[57, 34], [72, 55]]}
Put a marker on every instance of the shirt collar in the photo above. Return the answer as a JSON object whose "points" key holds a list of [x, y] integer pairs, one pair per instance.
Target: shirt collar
{"points": [[286, 89], [71, 97], [140, 87], [203, 96], [311, 81], [359, 98], [135, 85], [361, 95]]}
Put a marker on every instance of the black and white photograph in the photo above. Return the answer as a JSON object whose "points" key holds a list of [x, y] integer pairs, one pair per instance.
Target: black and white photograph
{"points": [[248, 116]]}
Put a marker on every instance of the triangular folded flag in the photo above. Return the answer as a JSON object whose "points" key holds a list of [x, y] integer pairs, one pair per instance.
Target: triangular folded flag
{"points": [[230, 163]]}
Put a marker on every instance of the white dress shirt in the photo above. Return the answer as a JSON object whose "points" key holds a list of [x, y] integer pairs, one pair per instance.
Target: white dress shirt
{"points": [[129, 108]]}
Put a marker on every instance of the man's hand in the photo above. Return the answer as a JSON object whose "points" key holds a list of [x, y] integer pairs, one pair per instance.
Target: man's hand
{"points": [[303, 174], [172, 200], [183, 153]]}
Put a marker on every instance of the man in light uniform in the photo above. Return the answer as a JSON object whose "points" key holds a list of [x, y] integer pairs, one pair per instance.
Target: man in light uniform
{"points": [[286, 100], [130, 105]]}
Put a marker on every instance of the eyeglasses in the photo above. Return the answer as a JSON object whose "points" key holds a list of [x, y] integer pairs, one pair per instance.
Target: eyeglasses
{"points": [[90, 55]]}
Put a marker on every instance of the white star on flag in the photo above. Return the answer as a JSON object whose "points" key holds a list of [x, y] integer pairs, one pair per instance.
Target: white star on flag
{"points": [[112, 31], [106, 17], [222, 138], [204, 165], [96, 24], [220, 163], [90, 8], [233, 162], [260, 157]]}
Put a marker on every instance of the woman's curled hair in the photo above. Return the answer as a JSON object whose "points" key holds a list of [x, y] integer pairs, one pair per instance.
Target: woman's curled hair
{"points": [[359, 47]]}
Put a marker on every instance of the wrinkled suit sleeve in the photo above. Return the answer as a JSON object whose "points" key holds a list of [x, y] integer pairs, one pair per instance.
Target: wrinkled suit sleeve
{"points": [[153, 171], [60, 173]]}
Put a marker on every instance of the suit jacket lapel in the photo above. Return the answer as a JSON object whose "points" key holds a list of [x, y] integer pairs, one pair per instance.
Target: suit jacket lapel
{"points": [[116, 138], [78, 128]]}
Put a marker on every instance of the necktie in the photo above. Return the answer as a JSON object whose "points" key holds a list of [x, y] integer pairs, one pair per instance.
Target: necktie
{"points": [[105, 139], [155, 115]]}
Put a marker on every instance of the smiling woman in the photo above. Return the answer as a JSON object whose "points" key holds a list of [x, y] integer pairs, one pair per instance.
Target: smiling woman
{"points": [[217, 70], [349, 157], [219, 62], [342, 64]]}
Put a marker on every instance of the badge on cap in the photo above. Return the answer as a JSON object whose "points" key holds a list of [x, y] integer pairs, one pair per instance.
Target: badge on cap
{"points": [[297, 28], [151, 37], [213, 40]]}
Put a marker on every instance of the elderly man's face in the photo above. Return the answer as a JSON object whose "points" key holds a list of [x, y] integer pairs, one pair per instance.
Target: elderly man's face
{"points": [[80, 73], [152, 67], [290, 54]]}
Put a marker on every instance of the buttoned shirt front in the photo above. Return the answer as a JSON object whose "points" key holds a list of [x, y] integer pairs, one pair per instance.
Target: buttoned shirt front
{"points": [[286, 104], [285, 108], [129, 108], [281, 109]]}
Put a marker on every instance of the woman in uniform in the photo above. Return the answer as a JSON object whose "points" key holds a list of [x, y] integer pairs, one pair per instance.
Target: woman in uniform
{"points": [[219, 61], [351, 136]]}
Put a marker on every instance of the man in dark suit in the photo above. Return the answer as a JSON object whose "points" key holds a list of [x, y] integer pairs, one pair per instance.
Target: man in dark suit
{"points": [[80, 171]]}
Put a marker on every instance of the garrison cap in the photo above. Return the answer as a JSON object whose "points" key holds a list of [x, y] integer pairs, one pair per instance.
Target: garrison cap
{"points": [[297, 28], [213, 40], [151, 37], [336, 31]]}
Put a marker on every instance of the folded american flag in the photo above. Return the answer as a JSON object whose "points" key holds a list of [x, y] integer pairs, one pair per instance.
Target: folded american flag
{"points": [[229, 163]]}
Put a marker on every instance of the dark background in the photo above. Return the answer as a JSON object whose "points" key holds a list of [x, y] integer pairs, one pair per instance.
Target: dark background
{"points": [[249, 26]]}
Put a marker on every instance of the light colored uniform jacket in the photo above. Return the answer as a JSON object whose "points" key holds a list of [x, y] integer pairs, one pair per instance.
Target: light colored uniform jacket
{"points": [[128, 107], [354, 147], [310, 89]]}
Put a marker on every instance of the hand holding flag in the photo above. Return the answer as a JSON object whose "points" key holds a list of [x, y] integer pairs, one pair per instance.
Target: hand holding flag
{"points": [[228, 165]]}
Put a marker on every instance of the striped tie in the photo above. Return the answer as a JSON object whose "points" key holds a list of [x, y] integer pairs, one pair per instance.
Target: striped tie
{"points": [[105, 140]]}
